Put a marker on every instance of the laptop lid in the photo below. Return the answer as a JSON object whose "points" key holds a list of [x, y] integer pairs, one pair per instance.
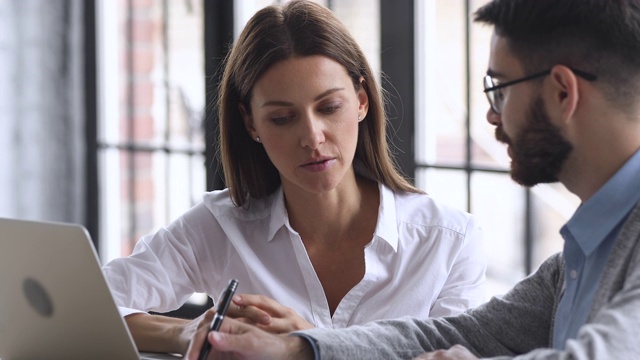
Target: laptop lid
{"points": [[54, 300]]}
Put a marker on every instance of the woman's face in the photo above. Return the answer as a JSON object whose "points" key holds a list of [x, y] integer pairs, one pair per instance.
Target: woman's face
{"points": [[306, 111]]}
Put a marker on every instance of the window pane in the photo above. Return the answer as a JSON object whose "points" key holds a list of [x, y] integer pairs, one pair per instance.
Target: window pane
{"points": [[151, 136], [362, 18], [447, 186], [441, 86], [186, 181], [486, 150], [499, 205]]}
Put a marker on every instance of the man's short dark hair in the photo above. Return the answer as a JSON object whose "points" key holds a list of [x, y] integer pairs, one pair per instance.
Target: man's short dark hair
{"points": [[601, 37]]}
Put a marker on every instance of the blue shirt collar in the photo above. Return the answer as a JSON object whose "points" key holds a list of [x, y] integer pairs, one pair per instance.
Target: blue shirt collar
{"points": [[599, 215]]}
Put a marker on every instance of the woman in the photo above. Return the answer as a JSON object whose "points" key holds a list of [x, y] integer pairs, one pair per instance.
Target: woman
{"points": [[316, 224]]}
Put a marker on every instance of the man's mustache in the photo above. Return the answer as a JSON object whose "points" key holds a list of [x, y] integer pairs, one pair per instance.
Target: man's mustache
{"points": [[501, 136]]}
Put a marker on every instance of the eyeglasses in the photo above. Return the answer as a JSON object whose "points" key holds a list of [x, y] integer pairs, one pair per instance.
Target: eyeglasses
{"points": [[493, 88]]}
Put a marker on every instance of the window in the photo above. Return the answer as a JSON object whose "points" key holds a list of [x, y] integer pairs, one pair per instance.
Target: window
{"points": [[150, 132], [458, 160]]}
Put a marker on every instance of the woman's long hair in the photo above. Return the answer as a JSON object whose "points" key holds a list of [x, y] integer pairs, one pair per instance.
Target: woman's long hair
{"points": [[277, 33]]}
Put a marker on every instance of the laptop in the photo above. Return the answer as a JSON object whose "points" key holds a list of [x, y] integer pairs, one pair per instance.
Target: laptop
{"points": [[54, 300]]}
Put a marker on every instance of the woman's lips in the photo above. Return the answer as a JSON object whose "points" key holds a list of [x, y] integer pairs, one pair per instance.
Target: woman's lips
{"points": [[318, 165]]}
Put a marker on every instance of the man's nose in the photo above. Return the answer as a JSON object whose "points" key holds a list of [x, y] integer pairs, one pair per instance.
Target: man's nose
{"points": [[492, 117]]}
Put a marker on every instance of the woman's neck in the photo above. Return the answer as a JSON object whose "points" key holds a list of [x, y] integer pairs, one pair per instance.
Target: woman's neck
{"points": [[344, 212]]}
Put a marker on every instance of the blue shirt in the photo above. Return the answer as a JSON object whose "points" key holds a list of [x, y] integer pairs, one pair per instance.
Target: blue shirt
{"points": [[589, 237]]}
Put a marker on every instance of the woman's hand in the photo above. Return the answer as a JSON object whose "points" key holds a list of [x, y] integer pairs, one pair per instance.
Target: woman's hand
{"points": [[266, 313], [189, 330], [164, 334]]}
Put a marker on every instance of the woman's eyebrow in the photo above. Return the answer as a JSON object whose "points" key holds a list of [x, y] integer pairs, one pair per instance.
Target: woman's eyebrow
{"points": [[328, 92], [276, 103], [287, 103]]}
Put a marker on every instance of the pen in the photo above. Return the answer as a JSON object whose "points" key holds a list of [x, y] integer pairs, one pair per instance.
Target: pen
{"points": [[221, 310]]}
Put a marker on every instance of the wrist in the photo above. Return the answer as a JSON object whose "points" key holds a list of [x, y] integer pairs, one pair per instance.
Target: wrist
{"points": [[157, 333], [300, 347]]}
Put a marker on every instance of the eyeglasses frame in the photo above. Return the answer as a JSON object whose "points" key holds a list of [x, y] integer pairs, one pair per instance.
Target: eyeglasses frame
{"points": [[583, 74]]}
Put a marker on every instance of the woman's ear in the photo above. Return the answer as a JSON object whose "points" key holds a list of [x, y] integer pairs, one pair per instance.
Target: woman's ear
{"points": [[363, 98], [248, 121], [563, 93]]}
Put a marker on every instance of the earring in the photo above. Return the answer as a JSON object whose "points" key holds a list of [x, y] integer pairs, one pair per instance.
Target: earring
{"points": [[258, 138], [359, 117]]}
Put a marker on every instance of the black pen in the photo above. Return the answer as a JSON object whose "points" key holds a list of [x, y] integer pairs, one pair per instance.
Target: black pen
{"points": [[221, 310]]}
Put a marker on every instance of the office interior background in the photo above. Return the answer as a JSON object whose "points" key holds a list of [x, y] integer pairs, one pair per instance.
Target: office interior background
{"points": [[107, 117]]}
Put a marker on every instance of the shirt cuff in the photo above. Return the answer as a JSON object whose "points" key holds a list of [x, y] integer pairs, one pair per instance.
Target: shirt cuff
{"points": [[311, 341], [124, 311]]}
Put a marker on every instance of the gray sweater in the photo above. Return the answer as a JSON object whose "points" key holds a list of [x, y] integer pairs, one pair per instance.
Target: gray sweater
{"points": [[518, 324]]}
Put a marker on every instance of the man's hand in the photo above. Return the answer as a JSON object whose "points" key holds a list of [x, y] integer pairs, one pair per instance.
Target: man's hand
{"points": [[237, 340], [456, 352]]}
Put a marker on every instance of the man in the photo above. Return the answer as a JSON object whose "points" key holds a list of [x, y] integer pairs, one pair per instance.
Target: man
{"points": [[564, 88]]}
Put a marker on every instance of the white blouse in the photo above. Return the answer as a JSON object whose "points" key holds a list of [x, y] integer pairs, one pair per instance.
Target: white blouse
{"points": [[425, 259]]}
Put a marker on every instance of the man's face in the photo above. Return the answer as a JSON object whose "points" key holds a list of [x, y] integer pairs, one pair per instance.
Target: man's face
{"points": [[537, 149]]}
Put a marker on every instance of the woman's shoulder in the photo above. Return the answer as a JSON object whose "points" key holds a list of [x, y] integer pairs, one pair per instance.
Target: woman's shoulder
{"points": [[423, 209], [418, 201], [220, 204]]}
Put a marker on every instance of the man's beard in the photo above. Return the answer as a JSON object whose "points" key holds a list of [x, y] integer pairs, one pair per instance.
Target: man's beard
{"points": [[539, 150]]}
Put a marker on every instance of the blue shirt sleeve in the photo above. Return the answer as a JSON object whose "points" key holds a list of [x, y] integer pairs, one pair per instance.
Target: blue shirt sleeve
{"points": [[311, 341]]}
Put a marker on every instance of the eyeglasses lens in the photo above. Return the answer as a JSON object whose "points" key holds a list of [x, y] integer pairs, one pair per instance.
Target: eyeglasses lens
{"points": [[493, 96]]}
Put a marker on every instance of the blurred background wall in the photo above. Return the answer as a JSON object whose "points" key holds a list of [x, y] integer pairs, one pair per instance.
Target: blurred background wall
{"points": [[41, 110]]}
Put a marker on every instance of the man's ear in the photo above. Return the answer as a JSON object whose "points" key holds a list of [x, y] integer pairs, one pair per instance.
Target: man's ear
{"points": [[563, 93], [248, 121]]}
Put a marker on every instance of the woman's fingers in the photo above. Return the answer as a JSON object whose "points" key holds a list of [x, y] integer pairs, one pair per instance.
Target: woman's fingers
{"points": [[267, 314], [286, 325], [250, 312], [189, 330], [262, 302], [199, 337]]}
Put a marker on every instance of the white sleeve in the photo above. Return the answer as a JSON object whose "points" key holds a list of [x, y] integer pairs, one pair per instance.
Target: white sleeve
{"points": [[165, 268], [464, 287], [124, 311]]}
